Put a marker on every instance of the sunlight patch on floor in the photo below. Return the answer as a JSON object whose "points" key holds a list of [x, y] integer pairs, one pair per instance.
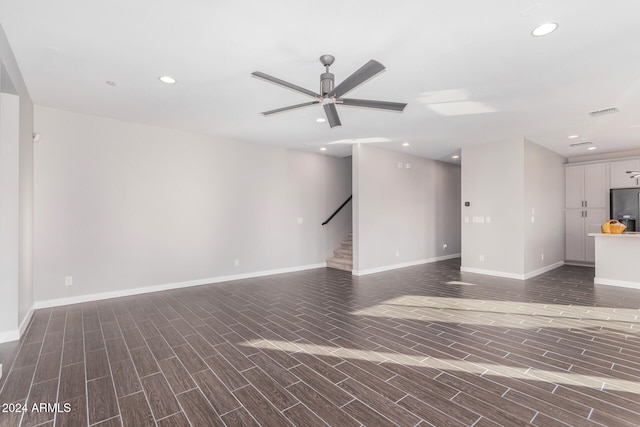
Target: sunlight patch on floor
{"points": [[510, 314], [448, 365], [457, 282]]}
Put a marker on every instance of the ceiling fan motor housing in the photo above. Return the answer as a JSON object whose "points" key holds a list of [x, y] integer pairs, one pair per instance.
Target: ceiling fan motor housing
{"points": [[326, 83]]}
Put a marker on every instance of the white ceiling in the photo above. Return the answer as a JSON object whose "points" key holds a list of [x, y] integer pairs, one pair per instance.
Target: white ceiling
{"points": [[435, 51]]}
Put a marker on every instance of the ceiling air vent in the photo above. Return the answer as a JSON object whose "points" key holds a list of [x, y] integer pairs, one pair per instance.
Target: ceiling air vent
{"points": [[578, 144], [599, 113]]}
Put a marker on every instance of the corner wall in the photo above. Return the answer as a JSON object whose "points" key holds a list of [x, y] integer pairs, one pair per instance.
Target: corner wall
{"points": [[127, 208], [514, 225], [16, 198], [492, 226], [403, 215], [544, 208]]}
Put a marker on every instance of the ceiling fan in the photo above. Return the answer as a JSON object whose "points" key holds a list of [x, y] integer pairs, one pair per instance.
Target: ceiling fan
{"points": [[329, 95]]}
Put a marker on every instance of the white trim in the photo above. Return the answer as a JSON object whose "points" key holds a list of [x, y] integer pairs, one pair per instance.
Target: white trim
{"points": [[25, 322], [612, 282], [580, 263], [16, 334], [492, 273], [516, 276], [542, 270], [168, 286], [403, 265], [9, 336]]}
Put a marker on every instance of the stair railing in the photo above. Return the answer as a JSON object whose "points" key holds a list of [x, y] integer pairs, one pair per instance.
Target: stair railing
{"points": [[337, 210]]}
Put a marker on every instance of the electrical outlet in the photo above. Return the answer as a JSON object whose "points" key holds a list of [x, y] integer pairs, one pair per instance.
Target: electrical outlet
{"points": [[397, 253], [481, 258], [236, 263], [300, 220], [68, 280], [542, 257], [444, 246]]}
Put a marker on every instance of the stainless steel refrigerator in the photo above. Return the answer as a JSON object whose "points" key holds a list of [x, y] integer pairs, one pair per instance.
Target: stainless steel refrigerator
{"points": [[625, 207]]}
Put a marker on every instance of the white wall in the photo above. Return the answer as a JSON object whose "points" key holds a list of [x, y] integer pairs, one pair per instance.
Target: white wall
{"points": [[505, 182], [544, 201], [123, 206], [402, 216], [493, 184], [16, 197]]}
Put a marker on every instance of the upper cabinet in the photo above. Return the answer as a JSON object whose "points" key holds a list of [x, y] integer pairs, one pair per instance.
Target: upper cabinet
{"points": [[585, 186], [619, 176]]}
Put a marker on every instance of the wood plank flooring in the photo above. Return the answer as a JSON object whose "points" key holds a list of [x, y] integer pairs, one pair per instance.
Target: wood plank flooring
{"points": [[420, 346]]}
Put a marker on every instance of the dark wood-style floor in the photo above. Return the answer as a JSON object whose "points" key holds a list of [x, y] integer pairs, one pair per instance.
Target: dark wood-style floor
{"points": [[420, 346]]}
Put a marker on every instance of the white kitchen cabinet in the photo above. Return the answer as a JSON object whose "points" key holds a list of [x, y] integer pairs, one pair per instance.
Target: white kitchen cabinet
{"points": [[619, 176], [579, 223], [585, 186]]}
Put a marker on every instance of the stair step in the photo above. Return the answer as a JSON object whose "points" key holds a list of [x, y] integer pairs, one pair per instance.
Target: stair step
{"points": [[343, 253], [340, 264], [347, 245]]}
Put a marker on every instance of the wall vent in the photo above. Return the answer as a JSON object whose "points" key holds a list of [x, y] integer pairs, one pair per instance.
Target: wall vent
{"points": [[599, 113], [578, 144]]}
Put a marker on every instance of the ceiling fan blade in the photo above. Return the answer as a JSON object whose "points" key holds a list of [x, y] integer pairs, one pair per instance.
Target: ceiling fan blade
{"points": [[291, 107], [366, 103], [367, 71], [282, 83], [332, 114]]}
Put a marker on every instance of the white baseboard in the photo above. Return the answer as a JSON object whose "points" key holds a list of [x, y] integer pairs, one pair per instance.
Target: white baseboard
{"points": [[25, 322], [492, 273], [611, 282], [516, 276], [168, 286], [8, 336], [15, 335], [403, 265], [542, 270]]}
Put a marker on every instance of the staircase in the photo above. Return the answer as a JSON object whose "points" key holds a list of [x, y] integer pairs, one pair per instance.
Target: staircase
{"points": [[343, 258]]}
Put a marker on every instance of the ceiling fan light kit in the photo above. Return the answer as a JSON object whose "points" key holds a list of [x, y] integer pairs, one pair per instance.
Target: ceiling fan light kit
{"points": [[331, 95]]}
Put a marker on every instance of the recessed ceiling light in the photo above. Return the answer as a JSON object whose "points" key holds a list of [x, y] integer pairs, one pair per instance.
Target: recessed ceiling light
{"points": [[592, 148], [405, 144], [323, 148], [321, 120], [544, 29], [573, 136], [455, 156], [167, 79]]}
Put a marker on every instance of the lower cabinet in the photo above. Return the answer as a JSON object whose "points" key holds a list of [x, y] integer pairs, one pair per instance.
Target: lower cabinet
{"points": [[579, 223]]}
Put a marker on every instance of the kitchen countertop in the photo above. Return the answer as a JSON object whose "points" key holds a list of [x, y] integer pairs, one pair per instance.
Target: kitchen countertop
{"points": [[631, 234]]}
